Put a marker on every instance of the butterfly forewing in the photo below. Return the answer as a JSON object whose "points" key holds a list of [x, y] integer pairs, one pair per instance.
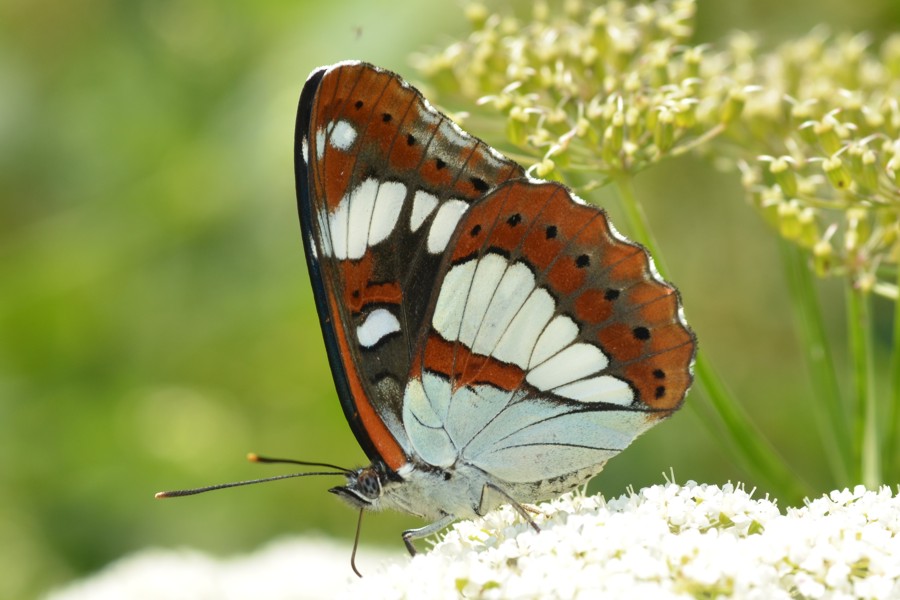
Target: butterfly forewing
{"points": [[383, 180], [552, 343]]}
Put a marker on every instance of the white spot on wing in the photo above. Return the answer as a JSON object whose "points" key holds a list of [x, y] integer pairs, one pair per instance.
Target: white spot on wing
{"points": [[423, 204], [604, 388], [448, 215], [429, 116], [487, 276], [342, 135], [304, 150], [517, 343], [453, 134], [337, 226], [324, 232], [361, 203], [494, 159], [510, 295], [378, 324], [574, 363], [320, 142], [364, 217], [387, 210], [451, 301], [560, 332]]}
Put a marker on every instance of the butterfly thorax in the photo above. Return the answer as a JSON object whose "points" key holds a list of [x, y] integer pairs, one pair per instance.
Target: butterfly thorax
{"points": [[461, 491], [424, 491]]}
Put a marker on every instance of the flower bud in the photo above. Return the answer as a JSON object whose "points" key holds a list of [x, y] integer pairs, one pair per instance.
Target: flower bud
{"points": [[823, 256], [692, 58], [865, 168], [544, 168], [827, 135], [734, 105], [573, 8], [858, 223], [477, 14], [837, 173], [686, 113], [809, 228], [782, 170], [865, 282], [664, 133], [788, 221]]}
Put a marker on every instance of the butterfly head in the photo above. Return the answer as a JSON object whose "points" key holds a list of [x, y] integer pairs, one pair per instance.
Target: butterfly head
{"points": [[363, 488]]}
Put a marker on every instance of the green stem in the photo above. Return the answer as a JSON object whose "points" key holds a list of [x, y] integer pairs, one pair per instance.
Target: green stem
{"points": [[865, 425], [637, 220], [892, 439], [746, 443], [832, 421]]}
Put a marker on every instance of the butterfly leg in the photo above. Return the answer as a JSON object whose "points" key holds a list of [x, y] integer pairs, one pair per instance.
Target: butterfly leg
{"points": [[522, 510], [413, 534]]}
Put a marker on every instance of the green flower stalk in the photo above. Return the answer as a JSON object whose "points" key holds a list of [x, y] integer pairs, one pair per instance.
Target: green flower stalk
{"points": [[830, 114]]}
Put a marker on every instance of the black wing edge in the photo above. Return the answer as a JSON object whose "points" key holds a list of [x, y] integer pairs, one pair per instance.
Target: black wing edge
{"points": [[326, 319]]}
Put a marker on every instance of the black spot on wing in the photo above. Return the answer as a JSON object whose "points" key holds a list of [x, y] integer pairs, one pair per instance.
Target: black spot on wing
{"points": [[480, 184]]}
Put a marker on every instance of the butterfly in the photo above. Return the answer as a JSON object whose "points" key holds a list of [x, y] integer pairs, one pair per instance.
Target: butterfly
{"points": [[492, 338]]}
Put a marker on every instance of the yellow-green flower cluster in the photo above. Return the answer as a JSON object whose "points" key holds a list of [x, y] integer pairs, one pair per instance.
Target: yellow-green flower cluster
{"points": [[597, 91], [606, 89], [820, 144]]}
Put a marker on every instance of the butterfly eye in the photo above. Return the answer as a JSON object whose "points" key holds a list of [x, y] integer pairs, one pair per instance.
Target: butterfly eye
{"points": [[368, 483]]}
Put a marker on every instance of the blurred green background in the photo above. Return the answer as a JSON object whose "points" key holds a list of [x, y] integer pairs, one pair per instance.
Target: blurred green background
{"points": [[156, 320]]}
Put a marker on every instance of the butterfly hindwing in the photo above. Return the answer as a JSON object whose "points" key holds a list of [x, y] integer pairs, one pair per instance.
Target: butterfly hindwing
{"points": [[552, 341], [382, 181]]}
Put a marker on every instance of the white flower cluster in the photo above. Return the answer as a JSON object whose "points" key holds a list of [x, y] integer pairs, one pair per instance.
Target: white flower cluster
{"points": [[666, 541], [310, 568]]}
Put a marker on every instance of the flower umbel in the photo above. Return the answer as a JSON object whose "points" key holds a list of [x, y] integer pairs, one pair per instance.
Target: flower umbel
{"points": [[665, 541], [826, 137], [605, 90]]}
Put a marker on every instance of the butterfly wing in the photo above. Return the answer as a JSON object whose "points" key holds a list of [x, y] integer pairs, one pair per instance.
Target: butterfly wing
{"points": [[552, 344], [382, 181]]}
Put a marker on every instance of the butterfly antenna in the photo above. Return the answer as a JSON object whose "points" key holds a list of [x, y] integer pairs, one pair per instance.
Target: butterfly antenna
{"points": [[260, 459], [268, 459], [356, 545]]}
